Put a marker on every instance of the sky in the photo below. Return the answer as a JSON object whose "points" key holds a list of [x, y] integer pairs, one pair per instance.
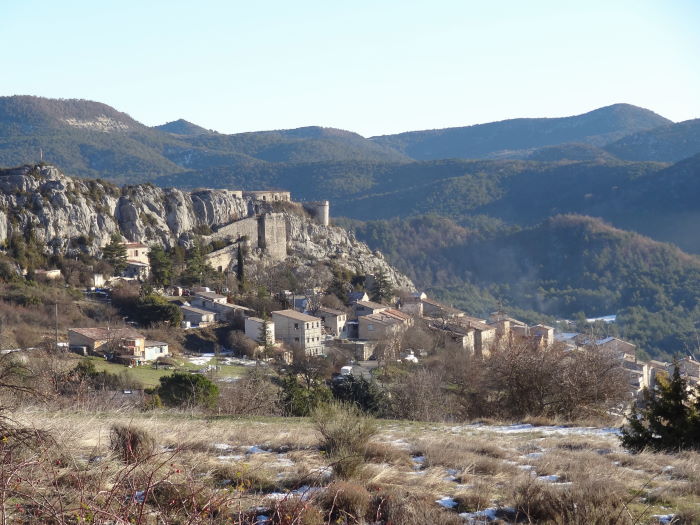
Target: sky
{"points": [[373, 67]]}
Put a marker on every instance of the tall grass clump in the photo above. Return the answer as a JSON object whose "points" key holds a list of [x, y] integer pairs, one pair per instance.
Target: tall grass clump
{"points": [[345, 433], [132, 444]]}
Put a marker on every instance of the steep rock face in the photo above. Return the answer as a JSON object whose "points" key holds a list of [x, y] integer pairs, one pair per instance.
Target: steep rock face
{"points": [[308, 241], [60, 209]]}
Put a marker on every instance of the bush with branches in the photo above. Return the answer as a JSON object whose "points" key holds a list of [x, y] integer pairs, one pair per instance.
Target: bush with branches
{"points": [[345, 433]]}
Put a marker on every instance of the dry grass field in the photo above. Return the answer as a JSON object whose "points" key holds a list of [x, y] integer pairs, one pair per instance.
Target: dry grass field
{"points": [[272, 470]]}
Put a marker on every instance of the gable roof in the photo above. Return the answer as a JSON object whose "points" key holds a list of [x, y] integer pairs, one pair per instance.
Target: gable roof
{"points": [[105, 334], [331, 311], [441, 306], [387, 317], [196, 310], [371, 304], [293, 314]]}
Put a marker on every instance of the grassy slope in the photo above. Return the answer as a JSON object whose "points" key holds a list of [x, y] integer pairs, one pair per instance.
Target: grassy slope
{"points": [[479, 466], [150, 377]]}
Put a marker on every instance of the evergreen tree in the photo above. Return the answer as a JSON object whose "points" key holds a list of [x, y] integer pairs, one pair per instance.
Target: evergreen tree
{"points": [[161, 266], [366, 394], [197, 266], [669, 421], [263, 336], [115, 254], [382, 289], [240, 271]]}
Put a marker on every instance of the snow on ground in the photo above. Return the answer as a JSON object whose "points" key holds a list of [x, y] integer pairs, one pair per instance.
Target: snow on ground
{"points": [[447, 502], [486, 515], [664, 518], [545, 429]]}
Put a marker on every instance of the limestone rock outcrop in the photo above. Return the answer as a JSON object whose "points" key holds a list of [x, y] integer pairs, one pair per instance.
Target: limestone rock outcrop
{"points": [[69, 215]]}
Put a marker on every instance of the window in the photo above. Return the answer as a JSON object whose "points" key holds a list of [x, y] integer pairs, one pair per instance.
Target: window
{"points": [[307, 325], [370, 327], [136, 253], [296, 339], [296, 326]]}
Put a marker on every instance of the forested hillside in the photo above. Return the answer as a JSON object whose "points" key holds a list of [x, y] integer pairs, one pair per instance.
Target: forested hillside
{"points": [[568, 266]]}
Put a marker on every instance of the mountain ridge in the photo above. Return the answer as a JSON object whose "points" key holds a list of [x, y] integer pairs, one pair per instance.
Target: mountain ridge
{"points": [[596, 127]]}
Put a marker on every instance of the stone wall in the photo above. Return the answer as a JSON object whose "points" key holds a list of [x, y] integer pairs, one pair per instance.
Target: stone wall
{"points": [[272, 232]]}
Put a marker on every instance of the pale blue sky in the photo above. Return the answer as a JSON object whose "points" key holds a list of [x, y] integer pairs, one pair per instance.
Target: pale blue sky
{"points": [[373, 67]]}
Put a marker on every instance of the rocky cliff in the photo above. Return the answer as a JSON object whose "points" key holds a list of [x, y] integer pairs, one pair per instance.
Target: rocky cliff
{"points": [[70, 215]]}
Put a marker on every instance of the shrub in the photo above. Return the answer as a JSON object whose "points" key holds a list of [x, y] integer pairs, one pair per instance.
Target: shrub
{"points": [[345, 433], [132, 444], [187, 390], [366, 394]]}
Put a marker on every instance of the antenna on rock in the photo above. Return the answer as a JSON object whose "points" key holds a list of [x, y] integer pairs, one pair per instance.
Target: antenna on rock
{"points": [[41, 155]]}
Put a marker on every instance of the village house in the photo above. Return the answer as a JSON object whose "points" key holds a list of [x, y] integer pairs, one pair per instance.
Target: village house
{"points": [[137, 264], [432, 308], [361, 308], [618, 346], [194, 316], [299, 330], [122, 344], [484, 335], [219, 306], [353, 297], [253, 329], [333, 321], [384, 324]]}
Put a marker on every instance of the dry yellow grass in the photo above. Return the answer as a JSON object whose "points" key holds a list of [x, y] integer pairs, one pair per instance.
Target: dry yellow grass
{"points": [[235, 464]]}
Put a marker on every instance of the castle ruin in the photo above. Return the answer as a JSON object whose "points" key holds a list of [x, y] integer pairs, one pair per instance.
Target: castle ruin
{"points": [[264, 229]]}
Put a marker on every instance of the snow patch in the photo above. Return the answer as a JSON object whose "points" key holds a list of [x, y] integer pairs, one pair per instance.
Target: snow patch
{"points": [[447, 502]]}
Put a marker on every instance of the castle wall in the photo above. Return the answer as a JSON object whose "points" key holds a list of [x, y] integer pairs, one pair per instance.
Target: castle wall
{"points": [[234, 231], [272, 232], [269, 196], [267, 232]]}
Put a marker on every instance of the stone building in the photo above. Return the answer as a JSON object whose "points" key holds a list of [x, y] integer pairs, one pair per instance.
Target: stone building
{"points": [[333, 320], [384, 324], [299, 331]]}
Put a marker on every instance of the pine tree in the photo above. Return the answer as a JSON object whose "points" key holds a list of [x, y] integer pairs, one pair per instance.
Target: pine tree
{"points": [[115, 254], [382, 289], [669, 421], [263, 336], [161, 266]]}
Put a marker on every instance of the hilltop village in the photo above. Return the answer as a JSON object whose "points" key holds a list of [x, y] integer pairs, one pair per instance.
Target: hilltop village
{"points": [[369, 327]]}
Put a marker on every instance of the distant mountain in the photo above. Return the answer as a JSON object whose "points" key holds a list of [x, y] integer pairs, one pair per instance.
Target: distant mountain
{"points": [[309, 144], [669, 143], [182, 127], [90, 139], [517, 137]]}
